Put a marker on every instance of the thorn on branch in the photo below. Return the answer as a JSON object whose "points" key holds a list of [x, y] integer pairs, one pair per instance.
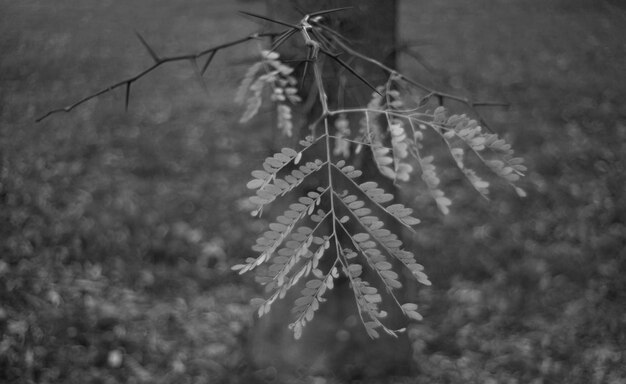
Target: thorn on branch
{"points": [[207, 62], [270, 20], [152, 53], [327, 11], [127, 100], [196, 68]]}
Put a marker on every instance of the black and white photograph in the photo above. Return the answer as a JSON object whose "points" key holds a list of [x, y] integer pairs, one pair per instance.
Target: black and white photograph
{"points": [[313, 192]]}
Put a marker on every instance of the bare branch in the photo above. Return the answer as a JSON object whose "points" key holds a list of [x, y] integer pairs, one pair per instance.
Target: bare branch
{"points": [[430, 91], [158, 62]]}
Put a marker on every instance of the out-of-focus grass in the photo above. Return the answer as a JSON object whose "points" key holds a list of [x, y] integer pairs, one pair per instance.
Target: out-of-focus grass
{"points": [[535, 286], [117, 229]]}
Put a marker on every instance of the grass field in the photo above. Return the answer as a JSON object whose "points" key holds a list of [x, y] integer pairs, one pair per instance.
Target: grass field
{"points": [[117, 230]]}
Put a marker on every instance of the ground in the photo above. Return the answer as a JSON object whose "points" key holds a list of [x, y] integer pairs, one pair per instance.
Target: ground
{"points": [[117, 230]]}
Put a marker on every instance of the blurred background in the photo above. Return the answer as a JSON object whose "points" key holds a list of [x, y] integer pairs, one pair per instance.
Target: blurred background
{"points": [[118, 230]]}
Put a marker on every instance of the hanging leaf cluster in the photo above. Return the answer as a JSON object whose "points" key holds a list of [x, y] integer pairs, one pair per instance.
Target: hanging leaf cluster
{"points": [[345, 227], [271, 73]]}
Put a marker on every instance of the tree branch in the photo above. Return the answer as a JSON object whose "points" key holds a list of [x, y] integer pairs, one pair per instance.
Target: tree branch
{"points": [[430, 91], [158, 61]]}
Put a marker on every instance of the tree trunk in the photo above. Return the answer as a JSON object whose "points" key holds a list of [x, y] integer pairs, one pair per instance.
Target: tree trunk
{"points": [[335, 343]]}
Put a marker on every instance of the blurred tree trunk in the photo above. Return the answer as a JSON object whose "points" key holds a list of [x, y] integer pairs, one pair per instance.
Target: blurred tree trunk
{"points": [[335, 342]]}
